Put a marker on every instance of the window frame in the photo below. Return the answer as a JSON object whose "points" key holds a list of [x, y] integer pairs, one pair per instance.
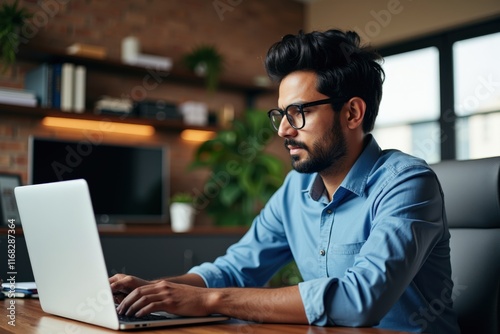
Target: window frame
{"points": [[443, 41]]}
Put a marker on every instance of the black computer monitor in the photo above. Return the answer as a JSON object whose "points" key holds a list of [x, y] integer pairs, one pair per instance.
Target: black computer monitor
{"points": [[127, 183]]}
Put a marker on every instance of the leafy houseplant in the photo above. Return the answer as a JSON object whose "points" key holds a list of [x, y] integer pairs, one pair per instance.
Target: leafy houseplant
{"points": [[182, 198], [243, 177], [207, 62], [12, 20]]}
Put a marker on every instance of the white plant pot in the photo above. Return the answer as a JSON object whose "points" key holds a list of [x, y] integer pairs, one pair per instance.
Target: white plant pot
{"points": [[201, 69], [181, 217]]}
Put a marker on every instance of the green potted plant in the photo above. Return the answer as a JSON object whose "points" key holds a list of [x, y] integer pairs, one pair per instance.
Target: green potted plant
{"points": [[206, 61], [243, 176], [182, 212], [12, 20]]}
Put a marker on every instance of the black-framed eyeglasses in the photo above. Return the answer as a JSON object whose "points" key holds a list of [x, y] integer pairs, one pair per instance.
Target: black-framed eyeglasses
{"points": [[295, 113]]}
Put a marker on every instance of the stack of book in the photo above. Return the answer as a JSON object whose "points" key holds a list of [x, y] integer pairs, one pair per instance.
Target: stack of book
{"points": [[113, 106], [18, 97], [20, 290], [60, 86]]}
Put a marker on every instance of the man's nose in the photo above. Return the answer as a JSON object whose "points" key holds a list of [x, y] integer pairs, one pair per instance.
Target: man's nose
{"points": [[285, 129]]}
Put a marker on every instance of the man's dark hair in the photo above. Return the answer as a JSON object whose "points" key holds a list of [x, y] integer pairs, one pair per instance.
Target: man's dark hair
{"points": [[344, 67]]}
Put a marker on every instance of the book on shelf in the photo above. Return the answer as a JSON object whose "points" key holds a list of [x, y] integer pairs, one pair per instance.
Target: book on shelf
{"points": [[56, 86], [17, 92], [20, 290], [86, 50], [79, 89], [113, 106], [19, 97], [18, 101], [59, 86], [67, 84], [39, 80]]}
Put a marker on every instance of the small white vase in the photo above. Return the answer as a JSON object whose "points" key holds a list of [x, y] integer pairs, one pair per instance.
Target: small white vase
{"points": [[201, 69], [181, 217]]}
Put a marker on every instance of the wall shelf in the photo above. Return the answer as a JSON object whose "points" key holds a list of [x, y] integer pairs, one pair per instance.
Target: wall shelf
{"points": [[40, 54], [37, 112], [177, 75]]}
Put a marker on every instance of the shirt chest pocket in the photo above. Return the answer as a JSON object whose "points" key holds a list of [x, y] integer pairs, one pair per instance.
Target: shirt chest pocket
{"points": [[341, 257]]}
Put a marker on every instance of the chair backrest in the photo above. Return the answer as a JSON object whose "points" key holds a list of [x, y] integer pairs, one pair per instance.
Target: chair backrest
{"points": [[472, 199]]}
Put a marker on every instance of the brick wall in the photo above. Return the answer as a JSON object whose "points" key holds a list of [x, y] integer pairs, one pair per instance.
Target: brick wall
{"points": [[242, 30]]}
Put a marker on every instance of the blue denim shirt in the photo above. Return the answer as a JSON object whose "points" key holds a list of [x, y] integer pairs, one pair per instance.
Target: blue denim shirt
{"points": [[376, 255]]}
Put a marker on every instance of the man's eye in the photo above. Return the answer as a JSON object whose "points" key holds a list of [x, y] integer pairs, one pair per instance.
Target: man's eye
{"points": [[293, 111]]}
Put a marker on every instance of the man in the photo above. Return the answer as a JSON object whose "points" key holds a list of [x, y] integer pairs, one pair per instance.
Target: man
{"points": [[366, 227]]}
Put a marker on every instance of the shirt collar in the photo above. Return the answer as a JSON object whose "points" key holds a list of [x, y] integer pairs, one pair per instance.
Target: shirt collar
{"points": [[356, 178]]}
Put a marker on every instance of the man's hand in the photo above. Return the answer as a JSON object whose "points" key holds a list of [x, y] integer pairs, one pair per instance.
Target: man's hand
{"points": [[162, 295], [122, 285], [187, 295]]}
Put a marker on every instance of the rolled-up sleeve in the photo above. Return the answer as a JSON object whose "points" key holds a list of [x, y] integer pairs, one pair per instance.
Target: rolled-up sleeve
{"points": [[211, 274], [312, 293]]}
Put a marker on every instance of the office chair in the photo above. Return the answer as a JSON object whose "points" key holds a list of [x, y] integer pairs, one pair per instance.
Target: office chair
{"points": [[472, 200]]}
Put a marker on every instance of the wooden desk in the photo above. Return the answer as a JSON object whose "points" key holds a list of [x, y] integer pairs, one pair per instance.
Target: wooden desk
{"points": [[30, 319]]}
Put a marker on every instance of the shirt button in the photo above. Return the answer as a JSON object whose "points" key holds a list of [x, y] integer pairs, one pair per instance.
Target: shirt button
{"points": [[329, 212], [322, 252]]}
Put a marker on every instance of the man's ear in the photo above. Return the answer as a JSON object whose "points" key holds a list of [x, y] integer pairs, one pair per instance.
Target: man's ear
{"points": [[355, 108]]}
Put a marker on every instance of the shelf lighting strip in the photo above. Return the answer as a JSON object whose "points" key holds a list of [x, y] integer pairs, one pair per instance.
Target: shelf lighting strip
{"points": [[104, 126], [197, 135]]}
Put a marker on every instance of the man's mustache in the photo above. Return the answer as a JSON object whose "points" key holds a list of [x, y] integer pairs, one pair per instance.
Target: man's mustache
{"points": [[291, 142]]}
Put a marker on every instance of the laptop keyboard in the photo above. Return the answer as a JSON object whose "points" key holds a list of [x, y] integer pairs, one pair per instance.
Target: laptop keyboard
{"points": [[148, 317]]}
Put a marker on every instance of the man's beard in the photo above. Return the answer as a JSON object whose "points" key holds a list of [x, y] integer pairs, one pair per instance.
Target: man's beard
{"points": [[328, 151]]}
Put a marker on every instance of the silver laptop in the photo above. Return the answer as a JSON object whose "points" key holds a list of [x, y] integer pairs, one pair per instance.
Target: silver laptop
{"points": [[67, 260]]}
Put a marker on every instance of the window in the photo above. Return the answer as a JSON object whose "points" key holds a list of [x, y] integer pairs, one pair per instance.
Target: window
{"points": [[442, 95], [477, 96], [410, 108]]}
